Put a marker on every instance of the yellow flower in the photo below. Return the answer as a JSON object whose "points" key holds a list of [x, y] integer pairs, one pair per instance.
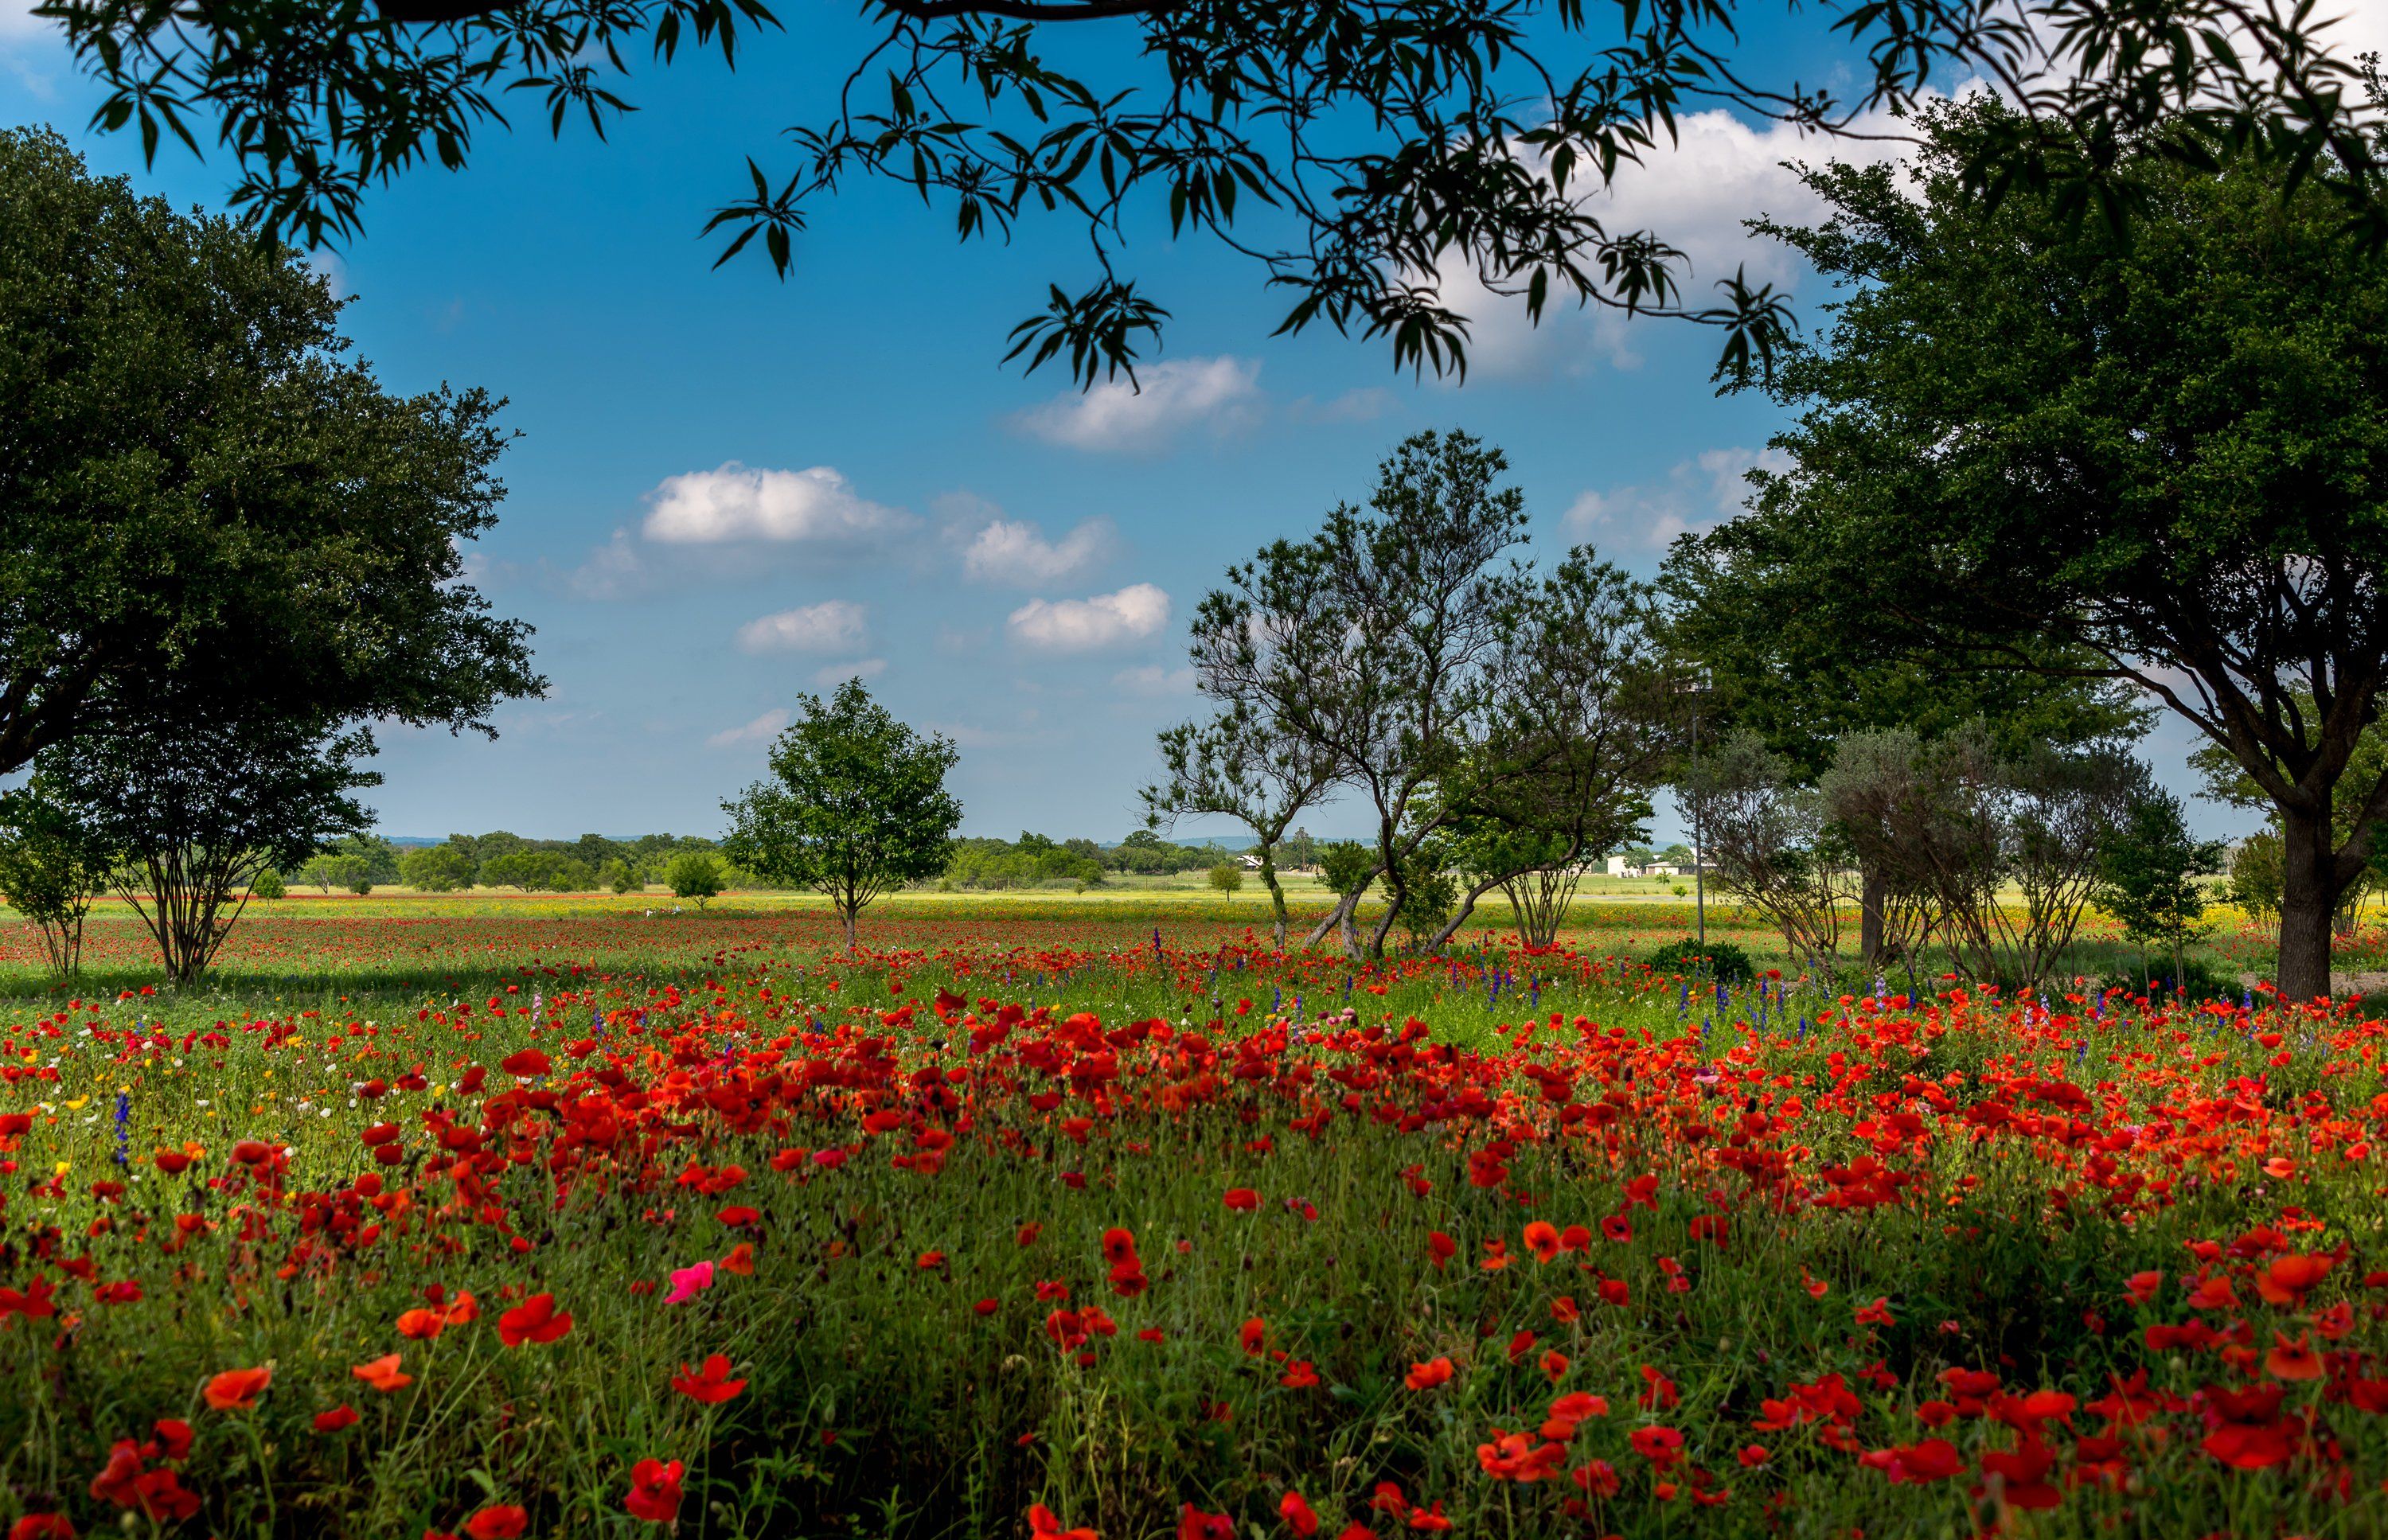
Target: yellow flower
{"points": [[77, 1104]]}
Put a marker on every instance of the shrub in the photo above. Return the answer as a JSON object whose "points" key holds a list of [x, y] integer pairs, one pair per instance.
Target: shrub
{"points": [[1227, 877], [694, 875], [268, 884], [1720, 960]]}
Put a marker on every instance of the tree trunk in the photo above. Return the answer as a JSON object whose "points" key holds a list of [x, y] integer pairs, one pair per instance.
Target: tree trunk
{"points": [[2308, 894], [1467, 907], [1275, 893], [1873, 902], [845, 913], [1325, 923]]}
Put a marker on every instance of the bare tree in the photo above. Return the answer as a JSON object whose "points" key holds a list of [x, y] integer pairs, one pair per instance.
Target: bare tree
{"points": [[1773, 846], [1235, 766]]}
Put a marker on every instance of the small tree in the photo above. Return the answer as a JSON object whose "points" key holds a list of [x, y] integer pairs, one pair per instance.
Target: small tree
{"points": [[1227, 877], [268, 885], [859, 805], [695, 876], [1772, 846], [441, 868], [1235, 766], [198, 808], [51, 868], [615, 873], [2147, 875], [1347, 868], [2255, 875]]}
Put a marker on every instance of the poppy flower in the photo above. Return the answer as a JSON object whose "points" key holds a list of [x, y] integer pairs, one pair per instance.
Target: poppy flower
{"points": [[2143, 1285], [1252, 1335], [1042, 1523], [1300, 1374], [1119, 1246], [1297, 1515], [525, 1063], [1426, 1376], [1542, 1238], [173, 1437], [1244, 1200], [2293, 1360], [422, 1324], [238, 1389], [741, 1259], [1875, 1314], [42, 1526], [687, 1282], [1440, 1248], [1195, 1524], [383, 1375], [340, 1418], [498, 1521], [712, 1385], [654, 1491], [535, 1319]]}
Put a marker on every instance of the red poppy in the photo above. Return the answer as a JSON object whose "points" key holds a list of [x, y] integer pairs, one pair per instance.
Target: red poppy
{"points": [[1440, 1248], [1244, 1200], [498, 1521], [711, 1385], [1042, 1523], [421, 1324], [238, 1389], [1297, 1515], [535, 1319], [1195, 1524], [525, 1062], [42, 1526], [1119, 1246], [1542, 1239], [340, 1418], [654, 1491], [1252, 1335]]}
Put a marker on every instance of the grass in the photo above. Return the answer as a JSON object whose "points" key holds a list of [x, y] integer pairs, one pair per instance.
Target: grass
{"points": [[1804, 1252]]}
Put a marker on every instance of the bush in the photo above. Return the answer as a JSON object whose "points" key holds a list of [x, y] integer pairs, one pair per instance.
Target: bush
{"points": [[694, 875], [1721, 960], [268, 885], [1227, 877]]}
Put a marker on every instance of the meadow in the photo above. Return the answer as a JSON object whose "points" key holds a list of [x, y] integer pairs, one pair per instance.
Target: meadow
{"points": [[494, 1216]]}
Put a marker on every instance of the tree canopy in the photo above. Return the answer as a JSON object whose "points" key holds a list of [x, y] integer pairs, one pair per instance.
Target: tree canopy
{"points": [[2025, 444], [206, 498], [858, 804], [1352, 151]]}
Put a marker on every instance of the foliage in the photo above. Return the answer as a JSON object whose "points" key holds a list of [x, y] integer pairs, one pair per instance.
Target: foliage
{"points": [[1369, 643], [441, 869], [2147, 874], [1772, 845], [268, 885], [1720, 960], [859, 805], [208, 499], [2171, 437], [2255, 874], [1234, 765], [695, 875], [51, 867], [1226, 879], [194, 808], [617, 874], [1361, 155]]}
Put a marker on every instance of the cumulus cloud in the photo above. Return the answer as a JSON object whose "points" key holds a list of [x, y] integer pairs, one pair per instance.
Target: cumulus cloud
{"points": [[1153, 680], [761, 730], [738, 502], [832, 625], [1220, 394], [830, 675], [1692, 193], [1135, 613], [1016, 553], [1698, 494]]}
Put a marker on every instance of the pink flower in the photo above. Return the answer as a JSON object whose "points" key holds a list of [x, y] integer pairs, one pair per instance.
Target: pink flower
{"points": [[688, 1281]]}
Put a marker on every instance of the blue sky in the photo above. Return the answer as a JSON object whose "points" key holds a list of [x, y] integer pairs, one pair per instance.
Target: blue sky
{"points": [[728, 489]]}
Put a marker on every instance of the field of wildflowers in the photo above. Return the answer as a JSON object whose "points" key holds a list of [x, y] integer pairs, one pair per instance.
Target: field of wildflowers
{"points": [[583, 1221]]}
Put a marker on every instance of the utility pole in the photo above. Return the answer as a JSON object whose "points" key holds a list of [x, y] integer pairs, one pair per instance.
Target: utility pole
{"points": [[1696, 684]]}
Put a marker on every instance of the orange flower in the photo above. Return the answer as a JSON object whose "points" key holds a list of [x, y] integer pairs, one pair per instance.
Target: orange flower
{"points": [[383, 1375], [422, 1325], [1042, 1524], [1426, 1376], [2286, 1282], [741, 1259], [1542, 1239], [238, 1389]]}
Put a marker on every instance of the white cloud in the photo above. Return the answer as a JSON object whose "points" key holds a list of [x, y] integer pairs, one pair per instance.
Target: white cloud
{"points": [[761, 730], [1015, 553], [19, 23], [737, 502], [1360, 404], [1153, 679], [1692, 193], [1115, 417], [1698, 494], [832, 625], [611, 571], [830, 675], [1135, 613]]}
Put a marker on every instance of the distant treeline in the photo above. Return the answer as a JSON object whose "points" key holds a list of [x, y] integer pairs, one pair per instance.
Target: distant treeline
{"points": [[1032, 860], [593, 861], [504, 860]]}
